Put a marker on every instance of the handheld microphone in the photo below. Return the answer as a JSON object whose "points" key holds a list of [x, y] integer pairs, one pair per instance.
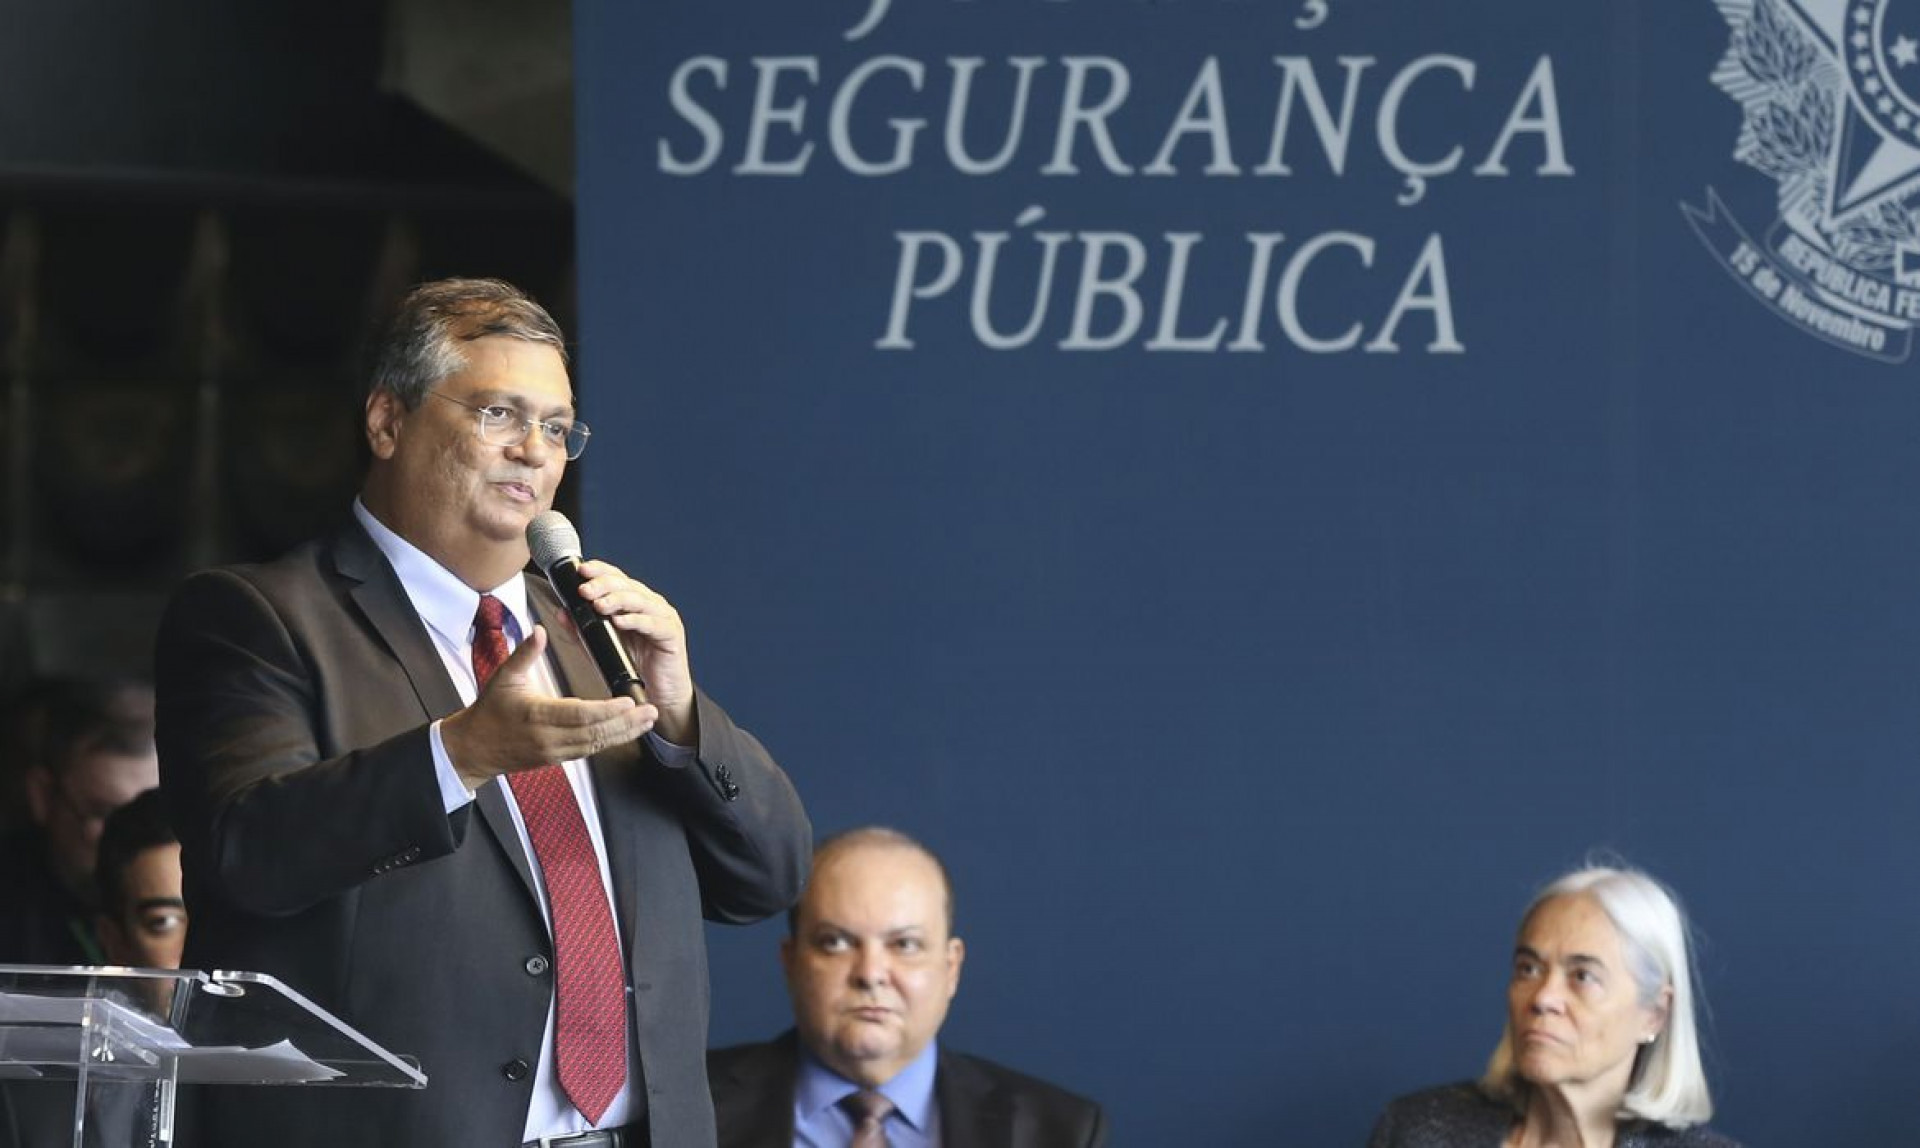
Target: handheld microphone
{"points": [[556, 550]]}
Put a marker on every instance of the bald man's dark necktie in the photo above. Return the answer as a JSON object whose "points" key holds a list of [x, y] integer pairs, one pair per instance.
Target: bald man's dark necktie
{"points": [[869, 1111], [590, 1037]]}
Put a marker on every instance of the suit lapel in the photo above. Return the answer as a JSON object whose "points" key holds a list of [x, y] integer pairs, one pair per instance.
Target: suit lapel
{"points": [[377, 592], [579, 677], [380, 596], [974, 1111], [753, 1096], [492, 800]]}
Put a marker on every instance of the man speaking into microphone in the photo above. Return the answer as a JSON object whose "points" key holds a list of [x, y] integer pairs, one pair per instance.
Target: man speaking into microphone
{"points": [[402, 787]]}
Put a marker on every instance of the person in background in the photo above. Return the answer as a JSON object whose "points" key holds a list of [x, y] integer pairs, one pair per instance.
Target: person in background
{"points": [[1600, 1050], [143, 920], [23, 722], [871, 966], [95, 753]]}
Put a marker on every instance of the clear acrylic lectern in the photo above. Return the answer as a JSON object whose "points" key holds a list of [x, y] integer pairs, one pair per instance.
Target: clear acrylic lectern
{"points": [[125, 1039]]}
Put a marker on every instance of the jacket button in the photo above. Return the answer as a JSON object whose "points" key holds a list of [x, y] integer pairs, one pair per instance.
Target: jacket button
{"points": [[514, 1070], [536, 965]]}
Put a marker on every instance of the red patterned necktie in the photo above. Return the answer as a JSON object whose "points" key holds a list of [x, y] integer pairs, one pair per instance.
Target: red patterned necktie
{"points": [[869, 1111], [590, 1041]]}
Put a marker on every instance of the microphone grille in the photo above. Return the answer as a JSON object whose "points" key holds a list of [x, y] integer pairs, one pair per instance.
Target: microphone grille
{"points": [[551, 537]]}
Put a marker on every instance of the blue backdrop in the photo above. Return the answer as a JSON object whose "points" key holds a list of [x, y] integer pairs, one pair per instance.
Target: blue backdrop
{"points": [[1262, 486]]}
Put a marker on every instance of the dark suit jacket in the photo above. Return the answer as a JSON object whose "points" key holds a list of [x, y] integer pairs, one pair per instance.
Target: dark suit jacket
{"points": [[294, 703], [1462, 1116], [982, 1104]]}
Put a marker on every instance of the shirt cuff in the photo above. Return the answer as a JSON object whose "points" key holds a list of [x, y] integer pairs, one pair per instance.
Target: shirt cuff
{"points": [[670, 754], [453, 792]]}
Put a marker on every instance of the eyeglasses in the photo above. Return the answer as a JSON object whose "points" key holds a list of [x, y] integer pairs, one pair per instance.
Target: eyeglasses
{"points": [[505, 426]]}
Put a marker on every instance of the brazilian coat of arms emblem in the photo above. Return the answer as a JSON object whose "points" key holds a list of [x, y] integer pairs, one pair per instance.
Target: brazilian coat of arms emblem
{"points": [[1829, 92]]}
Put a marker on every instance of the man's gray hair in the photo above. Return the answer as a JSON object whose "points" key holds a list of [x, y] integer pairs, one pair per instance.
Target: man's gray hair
{"points": [[421, 344], [1669, 1083]]}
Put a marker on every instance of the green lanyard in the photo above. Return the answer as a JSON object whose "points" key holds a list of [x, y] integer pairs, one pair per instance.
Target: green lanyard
{"points": [[89, 945]]}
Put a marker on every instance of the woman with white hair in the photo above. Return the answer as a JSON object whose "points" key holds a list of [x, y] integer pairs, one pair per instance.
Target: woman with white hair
{"points": [[1600, 1049]]}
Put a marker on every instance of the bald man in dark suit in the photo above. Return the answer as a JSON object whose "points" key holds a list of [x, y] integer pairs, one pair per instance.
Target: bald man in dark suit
{"points": [[872, 966]]}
